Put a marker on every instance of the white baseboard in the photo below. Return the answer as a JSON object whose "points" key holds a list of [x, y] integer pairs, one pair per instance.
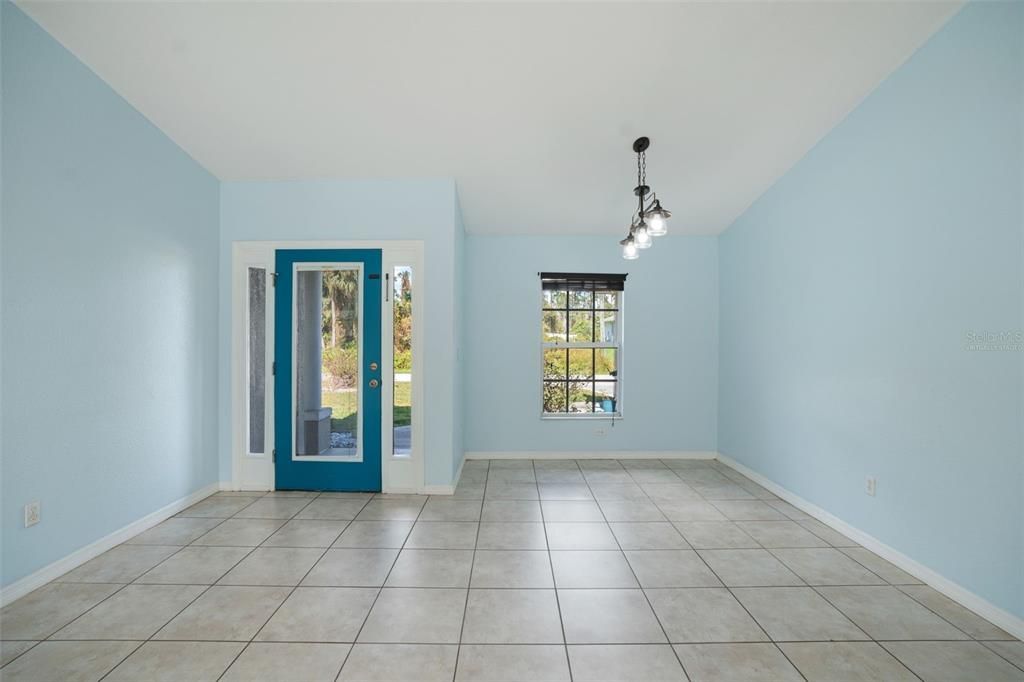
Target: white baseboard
{"points": [[229, 486], [20, 588], [607, 454], [440, 489], [986, 609]]}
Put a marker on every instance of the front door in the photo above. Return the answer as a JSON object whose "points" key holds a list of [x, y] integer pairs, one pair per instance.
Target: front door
{"points": [[327, 340]]}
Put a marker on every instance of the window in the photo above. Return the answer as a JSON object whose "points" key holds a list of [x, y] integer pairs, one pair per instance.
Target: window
{"points": [[256, 406], [402, 394], [581, 344]]}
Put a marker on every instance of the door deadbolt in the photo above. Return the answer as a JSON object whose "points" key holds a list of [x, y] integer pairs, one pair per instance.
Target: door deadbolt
{"points": [[374, 383], [373, 366]]}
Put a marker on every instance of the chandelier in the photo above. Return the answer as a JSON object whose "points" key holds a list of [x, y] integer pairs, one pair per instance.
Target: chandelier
{"points": [[650, 219]]}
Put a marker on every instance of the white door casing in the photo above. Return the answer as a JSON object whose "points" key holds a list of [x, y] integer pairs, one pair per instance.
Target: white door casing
{"points": [[249, 471]]}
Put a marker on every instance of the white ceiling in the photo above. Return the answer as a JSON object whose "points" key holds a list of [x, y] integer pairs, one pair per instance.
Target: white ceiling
{"points": [[531, 107]]}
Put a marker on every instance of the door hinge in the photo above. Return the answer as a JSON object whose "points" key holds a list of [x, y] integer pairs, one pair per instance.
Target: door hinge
{"points": [[273, 369], [273, 278], [273, 455]]}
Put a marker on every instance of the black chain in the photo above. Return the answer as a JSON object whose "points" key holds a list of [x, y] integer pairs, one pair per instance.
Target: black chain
{"points": [[641, 176], [641, 168]]}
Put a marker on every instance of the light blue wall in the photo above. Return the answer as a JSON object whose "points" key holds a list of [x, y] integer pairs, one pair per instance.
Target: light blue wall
{"points": [[352, 210], [670, 359], [846, 293], [109, 329]]}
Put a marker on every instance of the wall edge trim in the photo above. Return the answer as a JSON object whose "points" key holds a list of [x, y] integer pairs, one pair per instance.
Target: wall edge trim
{"points": [[19, 588], [961, 595], [607, 454], [446, 488]]}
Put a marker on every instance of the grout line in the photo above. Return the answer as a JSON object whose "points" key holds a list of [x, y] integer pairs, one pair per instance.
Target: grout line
{"points": [[951, 623], [772, 551], [469, 584], [126, 657], [664, 632], [729, 590], [866, 633], [609, 643], [749, 615], [133, 581], [1013, 663], [679, 473], [205, 589], [290, 593], [551, 567], [805, 585], [34, 645], [380, 589], [536, 551]]}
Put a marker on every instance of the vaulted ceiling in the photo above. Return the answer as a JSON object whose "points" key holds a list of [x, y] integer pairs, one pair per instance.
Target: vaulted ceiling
{"points": [[530, 106]]}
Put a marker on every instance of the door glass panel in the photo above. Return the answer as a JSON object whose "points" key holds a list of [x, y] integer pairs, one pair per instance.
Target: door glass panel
{"points": [[402, 407], [327, 362], [257, 408]]}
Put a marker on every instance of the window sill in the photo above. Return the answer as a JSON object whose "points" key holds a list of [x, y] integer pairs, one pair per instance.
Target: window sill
{"points": [[583, 416]]}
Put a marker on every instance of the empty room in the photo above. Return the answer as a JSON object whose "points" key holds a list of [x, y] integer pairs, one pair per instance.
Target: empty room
{"points": [[500, 341]]}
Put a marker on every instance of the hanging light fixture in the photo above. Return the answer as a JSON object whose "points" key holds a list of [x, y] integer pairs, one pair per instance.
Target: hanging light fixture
{"points": [[629, 248], [643, 236], [650, 219]]}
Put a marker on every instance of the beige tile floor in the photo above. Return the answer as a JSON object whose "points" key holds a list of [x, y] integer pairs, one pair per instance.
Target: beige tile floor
{"points": [[591, 570]]}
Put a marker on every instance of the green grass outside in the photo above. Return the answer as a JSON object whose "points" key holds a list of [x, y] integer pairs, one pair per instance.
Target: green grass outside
{"points": [[343, 407]]}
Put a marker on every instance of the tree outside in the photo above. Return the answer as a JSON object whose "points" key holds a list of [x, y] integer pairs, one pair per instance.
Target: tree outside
{"points": [[340, 353]]}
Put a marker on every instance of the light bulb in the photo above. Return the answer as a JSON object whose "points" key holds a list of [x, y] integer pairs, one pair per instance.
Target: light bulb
{"points": [[643, 237], [657, 227], [629, 250]]}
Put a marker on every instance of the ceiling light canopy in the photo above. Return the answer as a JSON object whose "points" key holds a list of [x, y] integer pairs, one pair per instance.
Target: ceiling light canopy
{"points": [[651, 219]]}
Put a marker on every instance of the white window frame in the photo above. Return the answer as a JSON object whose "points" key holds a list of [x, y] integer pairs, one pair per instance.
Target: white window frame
{"points": [[402, 474], [619, 345], [250, 470]]}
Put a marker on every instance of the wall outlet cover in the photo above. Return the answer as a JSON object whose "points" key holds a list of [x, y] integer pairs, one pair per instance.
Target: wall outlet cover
{"points": [[871, 485], [31, 514]]}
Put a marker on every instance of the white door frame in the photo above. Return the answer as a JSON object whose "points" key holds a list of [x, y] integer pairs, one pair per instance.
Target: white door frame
{"points": [[399, 474]]}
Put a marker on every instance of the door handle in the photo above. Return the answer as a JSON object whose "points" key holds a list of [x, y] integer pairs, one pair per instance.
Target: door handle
{"points": [[374, 383]]}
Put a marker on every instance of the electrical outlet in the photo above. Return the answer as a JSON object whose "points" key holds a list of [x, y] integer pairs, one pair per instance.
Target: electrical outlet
{"points": [[600, 433], [870, 485], [31, 514]]}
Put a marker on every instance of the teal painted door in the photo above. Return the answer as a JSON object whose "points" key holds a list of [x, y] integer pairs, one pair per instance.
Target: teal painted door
{"points": [[327, 356]]}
